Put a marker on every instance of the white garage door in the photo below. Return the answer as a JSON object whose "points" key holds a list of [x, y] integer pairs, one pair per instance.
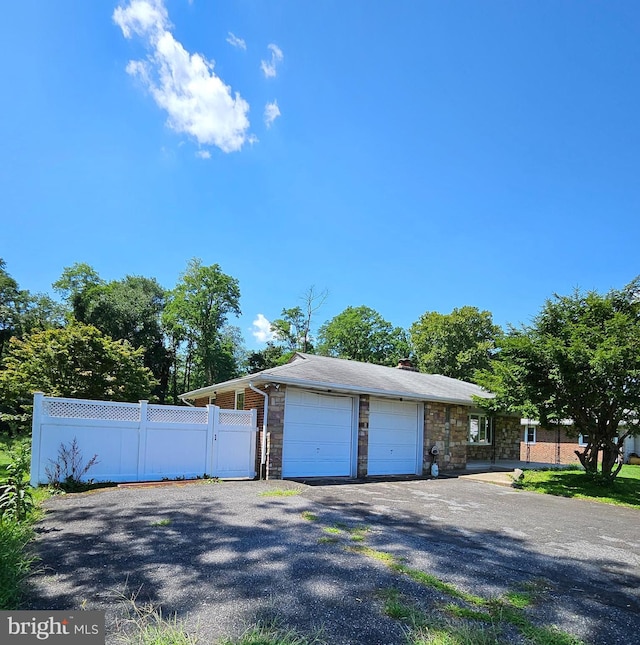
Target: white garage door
{"points": [[318, 436], [394, 438]]}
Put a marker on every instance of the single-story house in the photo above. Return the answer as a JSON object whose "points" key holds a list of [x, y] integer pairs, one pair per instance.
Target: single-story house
{"points": [[320, 416], [558, 444]]}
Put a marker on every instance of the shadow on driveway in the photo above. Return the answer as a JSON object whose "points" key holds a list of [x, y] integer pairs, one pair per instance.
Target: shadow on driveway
{"points": [[222, 556]]}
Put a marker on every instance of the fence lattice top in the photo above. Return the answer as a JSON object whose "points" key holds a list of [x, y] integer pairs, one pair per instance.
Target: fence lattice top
{"points": [[115, 411], [235, 417], [91, 410], [170, 414]]}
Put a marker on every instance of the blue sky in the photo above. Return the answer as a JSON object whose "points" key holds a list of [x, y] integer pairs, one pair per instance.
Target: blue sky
{"points": [[406, 155]]}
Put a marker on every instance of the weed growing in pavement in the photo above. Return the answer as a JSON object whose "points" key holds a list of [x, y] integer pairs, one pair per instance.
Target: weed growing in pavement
{"points": [[165, 522], [273, 633], [307, 515], [145, 624], [281, 492]]}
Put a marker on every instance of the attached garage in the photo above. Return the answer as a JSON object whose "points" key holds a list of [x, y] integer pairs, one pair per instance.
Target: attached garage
{"points": [[395, 438], [319, 436]]}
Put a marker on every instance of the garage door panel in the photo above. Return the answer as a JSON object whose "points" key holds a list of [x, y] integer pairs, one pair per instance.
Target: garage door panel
{"points": [[393, 437], [316, 416], [318, 435]]}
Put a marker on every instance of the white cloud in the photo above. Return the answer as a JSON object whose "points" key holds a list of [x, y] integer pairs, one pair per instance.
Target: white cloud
{"points": [[271, 113], [197, 102], [234, 41], [262, 329], [269, 67], [203, 154]]}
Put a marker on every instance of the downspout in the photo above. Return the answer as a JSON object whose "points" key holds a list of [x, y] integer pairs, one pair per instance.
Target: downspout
{"points": [[263, 443]]}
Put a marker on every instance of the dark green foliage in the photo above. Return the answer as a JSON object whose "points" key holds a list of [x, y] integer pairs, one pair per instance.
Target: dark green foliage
{"points": [[362, 334], [579, 360], [455, 344], [271, 356], [76, 361], [195, 318]]}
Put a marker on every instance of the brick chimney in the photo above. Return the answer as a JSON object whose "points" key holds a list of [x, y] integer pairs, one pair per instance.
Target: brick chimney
{"points": [[406, 364]]}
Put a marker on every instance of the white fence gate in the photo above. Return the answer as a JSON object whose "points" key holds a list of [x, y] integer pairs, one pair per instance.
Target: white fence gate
{"points": [[144, 442]]}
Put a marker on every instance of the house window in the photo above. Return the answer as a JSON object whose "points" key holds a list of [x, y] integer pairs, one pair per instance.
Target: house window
{"points": [[530, 434], [479, 429], [240, 400], [583, 439]]}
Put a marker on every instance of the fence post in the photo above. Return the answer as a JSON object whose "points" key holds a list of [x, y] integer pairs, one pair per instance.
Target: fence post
{"points": [[142, 439], [36, 437], [212, 422]]}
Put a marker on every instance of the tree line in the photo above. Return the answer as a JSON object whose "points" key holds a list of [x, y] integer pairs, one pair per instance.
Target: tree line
{"points": [[131, 338]]}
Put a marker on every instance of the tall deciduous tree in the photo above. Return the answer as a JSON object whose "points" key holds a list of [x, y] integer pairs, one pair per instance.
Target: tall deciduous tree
{"points": [[579, 360], [455, 344], [75, 361], [195, 317], [293, 328], [9, 307], [131, 310], [362, 334]]}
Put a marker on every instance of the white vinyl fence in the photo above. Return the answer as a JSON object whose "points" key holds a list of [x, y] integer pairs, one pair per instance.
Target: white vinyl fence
{"points": [[144, 442]]}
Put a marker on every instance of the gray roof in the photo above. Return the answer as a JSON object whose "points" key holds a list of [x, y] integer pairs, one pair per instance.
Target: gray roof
{"points": [[340, 375]]}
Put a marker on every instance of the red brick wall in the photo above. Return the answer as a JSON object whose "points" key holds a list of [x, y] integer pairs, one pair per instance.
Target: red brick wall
{"points": [[545, 448]]}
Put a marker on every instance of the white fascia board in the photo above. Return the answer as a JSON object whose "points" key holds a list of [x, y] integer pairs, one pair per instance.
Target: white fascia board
{"points": [[210, 389]]}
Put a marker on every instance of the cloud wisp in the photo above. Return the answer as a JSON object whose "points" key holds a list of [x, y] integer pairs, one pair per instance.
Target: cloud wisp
{"points": [[196, 100], [271, 113], [269, 68], [261, 329], [236, 42]]}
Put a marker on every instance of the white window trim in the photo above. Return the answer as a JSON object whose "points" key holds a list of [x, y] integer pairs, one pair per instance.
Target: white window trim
{"points": [[526, 434], [238, 393], [487, 432], [581, 441]]}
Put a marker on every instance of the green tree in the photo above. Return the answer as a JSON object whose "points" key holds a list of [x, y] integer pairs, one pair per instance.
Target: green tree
{"points": [[362, 334], [271, 356], [455, 344], [195, 317], [10, 297], [131, 310], [293, 329], [579, 360], [75, 361], [73, 285]]}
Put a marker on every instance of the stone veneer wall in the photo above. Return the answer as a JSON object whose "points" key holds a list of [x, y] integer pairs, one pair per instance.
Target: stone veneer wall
{"points": [[275, 432], [445, 426], [507, 434], [363, 435]]}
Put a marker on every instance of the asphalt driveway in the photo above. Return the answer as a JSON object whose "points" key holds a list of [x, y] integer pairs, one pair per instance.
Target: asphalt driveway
{"points": [[224, 556]]}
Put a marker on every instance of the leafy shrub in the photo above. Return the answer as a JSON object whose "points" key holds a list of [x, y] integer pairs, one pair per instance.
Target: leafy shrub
{"points": [[16, 501]]}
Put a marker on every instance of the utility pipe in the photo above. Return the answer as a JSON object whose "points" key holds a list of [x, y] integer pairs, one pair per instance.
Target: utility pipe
{"points": [[263, 443]]}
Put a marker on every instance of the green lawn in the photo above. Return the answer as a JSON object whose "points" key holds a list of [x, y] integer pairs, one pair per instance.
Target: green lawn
{"points": [[623, 491]]}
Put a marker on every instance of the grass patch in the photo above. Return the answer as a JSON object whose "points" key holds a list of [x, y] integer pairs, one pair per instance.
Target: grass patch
{"points": [[455, 634], [164, 522], [468, 614], [311, 517], [281, 492], [332, 530], [624, 490], [15, 561], [328, 539], [496, 612], [271, 634]]}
